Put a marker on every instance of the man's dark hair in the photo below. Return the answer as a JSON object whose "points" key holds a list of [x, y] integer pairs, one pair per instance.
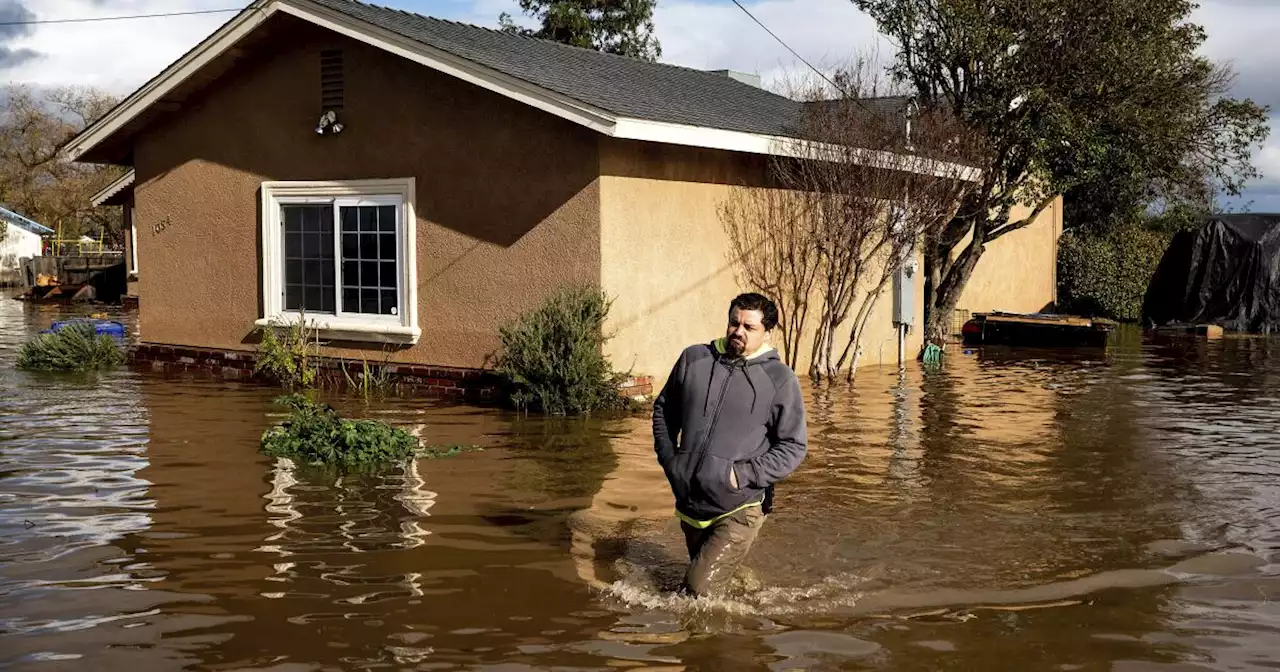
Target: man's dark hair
{"points": [[760, 302]]}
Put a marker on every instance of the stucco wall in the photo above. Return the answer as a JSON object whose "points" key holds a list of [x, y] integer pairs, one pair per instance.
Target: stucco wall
{"points": [[508, 204], [1018, 272], [666, 258]]}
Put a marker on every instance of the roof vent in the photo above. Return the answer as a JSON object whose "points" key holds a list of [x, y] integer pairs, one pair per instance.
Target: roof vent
{"points": [[745, 78], [331, 80]]}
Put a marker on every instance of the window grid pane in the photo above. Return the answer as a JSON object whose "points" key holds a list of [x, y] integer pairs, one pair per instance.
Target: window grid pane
{"points": [[370, 276], [308, 261]]}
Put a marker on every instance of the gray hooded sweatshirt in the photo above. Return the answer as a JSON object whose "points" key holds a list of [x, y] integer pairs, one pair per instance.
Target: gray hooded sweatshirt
{"points": [[722, 419]]}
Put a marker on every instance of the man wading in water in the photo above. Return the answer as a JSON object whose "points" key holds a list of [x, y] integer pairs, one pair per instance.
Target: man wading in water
{"points": [[728, 425]]}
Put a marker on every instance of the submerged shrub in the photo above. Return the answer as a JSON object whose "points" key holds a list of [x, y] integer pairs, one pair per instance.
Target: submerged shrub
{"points": [[289, 354], [315, 434], [553, 356], [76, 347]]}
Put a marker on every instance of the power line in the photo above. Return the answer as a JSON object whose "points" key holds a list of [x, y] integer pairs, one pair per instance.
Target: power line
{"points": [[788, 47], [118, 18]]}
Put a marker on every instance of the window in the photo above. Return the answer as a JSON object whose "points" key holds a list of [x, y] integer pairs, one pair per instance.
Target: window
{"points": [[342, 254]]}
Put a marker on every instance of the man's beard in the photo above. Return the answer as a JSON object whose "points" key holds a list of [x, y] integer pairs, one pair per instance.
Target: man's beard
{"points": [[736, 347]]}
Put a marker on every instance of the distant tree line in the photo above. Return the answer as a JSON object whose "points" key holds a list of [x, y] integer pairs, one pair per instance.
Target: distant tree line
{"points": [[36, 178]]}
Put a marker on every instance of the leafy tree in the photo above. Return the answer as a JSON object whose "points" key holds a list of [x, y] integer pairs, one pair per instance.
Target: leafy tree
{"points": [[1185, 145], [1063, 93], [622, 27], [36, 180]]}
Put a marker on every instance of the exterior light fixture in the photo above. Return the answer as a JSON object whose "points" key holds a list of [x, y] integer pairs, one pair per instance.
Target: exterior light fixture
{"points": [[329, 123]]}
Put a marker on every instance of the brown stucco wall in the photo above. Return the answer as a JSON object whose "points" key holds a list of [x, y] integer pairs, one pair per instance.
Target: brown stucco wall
{"points": [[666, 258], [1018, 272], [507, 198]]}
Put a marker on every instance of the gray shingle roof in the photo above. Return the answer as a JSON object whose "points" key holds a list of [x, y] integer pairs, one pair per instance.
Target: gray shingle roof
{"points": [[624, 86]]}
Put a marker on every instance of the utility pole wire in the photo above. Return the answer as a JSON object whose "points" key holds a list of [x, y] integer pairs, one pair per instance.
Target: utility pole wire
{"points": [[37, 22], [793, 51]]}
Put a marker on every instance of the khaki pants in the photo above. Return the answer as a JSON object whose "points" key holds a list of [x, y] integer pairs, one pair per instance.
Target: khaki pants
{"points": [[716, 552]]}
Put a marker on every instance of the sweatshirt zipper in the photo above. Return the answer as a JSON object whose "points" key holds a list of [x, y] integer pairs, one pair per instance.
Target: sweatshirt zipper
{"points": [[706, 441]]}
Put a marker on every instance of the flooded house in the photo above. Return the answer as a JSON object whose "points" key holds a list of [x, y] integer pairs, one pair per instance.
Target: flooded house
{"points": [[411, 184]]}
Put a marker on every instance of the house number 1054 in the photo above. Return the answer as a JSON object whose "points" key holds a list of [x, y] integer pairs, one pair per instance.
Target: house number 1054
{"points": [[160, 226]]}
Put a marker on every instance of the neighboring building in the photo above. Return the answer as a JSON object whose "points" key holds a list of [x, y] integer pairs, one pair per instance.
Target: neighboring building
{"points": [[22, 240], [463, 175], [120, 192]]}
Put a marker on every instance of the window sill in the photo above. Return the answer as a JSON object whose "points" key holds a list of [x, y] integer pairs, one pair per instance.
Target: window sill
{"points": [[374, 332]]}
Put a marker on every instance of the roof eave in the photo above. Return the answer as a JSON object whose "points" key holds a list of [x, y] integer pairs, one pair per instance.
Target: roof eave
{"points": [[775, 145], [82, 147], [10, 217], [116, 192], [99, 142]]}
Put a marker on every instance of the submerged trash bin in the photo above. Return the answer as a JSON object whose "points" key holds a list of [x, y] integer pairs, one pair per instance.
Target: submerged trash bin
{"points": [[101, 327]]}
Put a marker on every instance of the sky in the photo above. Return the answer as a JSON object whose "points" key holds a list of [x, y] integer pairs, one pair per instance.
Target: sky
{"points": [[707, 34]]}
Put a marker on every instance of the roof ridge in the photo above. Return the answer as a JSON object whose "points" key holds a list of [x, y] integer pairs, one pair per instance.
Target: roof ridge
{"points": [[553, 43]]}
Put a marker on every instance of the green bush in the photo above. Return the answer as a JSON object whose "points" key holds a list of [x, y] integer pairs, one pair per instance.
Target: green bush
{"points": [[289, 354], [77, 347], [315, 434], [553, 357], [1106, 274]]}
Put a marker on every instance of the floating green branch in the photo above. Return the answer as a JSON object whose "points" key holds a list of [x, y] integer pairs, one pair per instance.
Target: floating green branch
{"points": [[76, 347], [315, 434], [451, 450]]}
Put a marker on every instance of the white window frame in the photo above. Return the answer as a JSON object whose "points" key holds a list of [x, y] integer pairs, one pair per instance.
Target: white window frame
{"points": [[402, 328], [133, 240]]}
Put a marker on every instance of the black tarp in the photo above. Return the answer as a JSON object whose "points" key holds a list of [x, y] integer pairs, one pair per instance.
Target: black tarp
{"points": [[1227, 272]]}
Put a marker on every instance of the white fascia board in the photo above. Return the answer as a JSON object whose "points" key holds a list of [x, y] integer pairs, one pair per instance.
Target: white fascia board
{"points": [[757, 143], [113, 188], [153, 91]]}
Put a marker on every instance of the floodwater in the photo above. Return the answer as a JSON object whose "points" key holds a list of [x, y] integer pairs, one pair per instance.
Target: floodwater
{"points": [[1011, 512]]}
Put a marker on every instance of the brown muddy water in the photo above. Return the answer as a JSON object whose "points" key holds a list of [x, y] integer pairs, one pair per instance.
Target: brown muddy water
{"points": [[1094, 512]]}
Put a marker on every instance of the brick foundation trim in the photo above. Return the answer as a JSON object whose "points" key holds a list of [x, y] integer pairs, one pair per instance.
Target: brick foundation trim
{"points": [[637, 387], [437, 382]]}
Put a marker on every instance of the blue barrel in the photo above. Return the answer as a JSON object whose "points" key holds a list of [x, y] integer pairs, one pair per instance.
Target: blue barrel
{"points": [[102, 327]]}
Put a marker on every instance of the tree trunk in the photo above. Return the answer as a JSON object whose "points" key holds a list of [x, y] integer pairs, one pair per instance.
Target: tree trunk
{"points": [[941, 298]]}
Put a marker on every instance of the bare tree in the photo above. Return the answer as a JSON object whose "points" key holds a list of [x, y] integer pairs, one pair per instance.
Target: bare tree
{"points": [[866, 177], [774, 240], [36, 179]]}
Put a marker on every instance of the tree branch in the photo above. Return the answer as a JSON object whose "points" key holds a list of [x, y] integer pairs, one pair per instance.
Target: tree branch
{"points": [[1025, 221]]}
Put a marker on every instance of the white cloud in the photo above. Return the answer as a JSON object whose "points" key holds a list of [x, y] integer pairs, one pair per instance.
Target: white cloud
{"points": [[1241, 34], [715, 36], [114, 55]]}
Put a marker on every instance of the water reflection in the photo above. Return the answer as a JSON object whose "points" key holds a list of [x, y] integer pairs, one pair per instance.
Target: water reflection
{"points": [[1009, 511], [393, 568]]}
